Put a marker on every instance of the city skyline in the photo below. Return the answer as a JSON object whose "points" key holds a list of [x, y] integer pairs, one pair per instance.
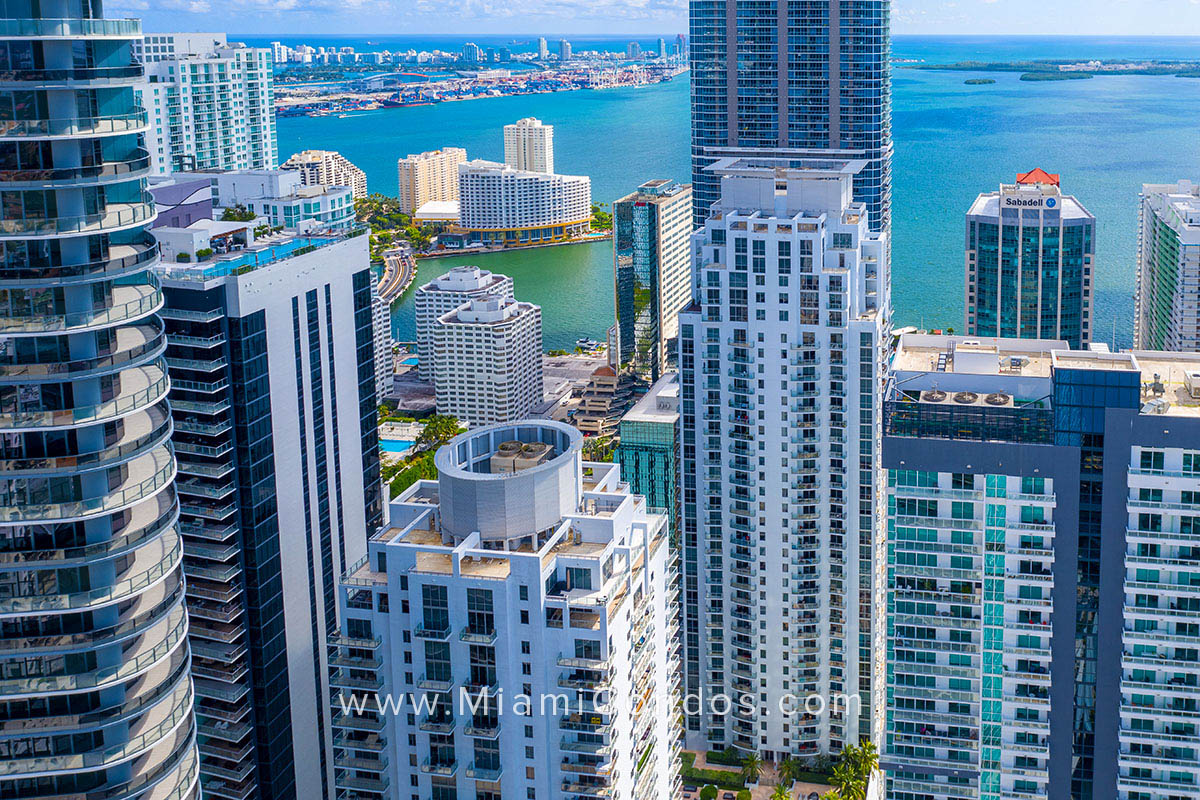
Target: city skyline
{"points": [[636, 18]]}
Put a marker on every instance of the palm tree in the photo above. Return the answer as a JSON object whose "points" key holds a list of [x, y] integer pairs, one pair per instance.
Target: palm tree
{"points": [[752, 767], [845, 779], [789, 770], [781, 792]]}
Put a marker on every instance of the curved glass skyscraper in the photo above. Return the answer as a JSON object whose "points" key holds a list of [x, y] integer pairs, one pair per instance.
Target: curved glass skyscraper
{"points": [[95, 695], [793, 78]]}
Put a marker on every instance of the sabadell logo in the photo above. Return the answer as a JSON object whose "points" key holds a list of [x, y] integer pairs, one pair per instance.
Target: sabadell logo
{"points": [[1051, 202]]}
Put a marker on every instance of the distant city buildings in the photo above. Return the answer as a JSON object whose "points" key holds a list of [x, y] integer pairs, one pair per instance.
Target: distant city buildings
{"points": [[472, 53], [1029, 272], [1040, 533], [487, 361], [529, 145], [473, 597], [500, 205], [328, 168], [210, 104], [827, 96], [543, 52], [649, 449], [633, 51], [782, 356], [274, 402], [1168, 279], [564, 50], [447, 293], [428, 177], [652, 273]]}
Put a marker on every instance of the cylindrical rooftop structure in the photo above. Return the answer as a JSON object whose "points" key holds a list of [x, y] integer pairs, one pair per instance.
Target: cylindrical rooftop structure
{"points": [[511, 480]]}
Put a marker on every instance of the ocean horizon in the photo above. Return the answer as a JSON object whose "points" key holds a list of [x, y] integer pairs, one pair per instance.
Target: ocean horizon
{"points": [[1106, 137]]}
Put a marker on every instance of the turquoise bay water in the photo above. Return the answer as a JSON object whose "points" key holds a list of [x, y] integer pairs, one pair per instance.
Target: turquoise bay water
{"points": [[1106, 137]]}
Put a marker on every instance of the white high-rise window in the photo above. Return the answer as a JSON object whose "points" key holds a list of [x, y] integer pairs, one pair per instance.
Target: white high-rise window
{"points": [[540, 638], [529, 145], [782, 355]]}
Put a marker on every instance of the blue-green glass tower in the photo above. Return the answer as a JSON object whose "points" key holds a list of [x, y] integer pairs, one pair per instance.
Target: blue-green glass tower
{"points": [[805, 78]]}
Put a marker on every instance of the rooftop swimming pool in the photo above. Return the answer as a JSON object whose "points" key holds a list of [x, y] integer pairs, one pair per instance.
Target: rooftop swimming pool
{"points": [[263, 256]]}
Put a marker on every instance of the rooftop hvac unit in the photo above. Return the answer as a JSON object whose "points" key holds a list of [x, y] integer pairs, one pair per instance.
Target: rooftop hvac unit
{"points": [[1191, 381], [1158, 405], [933, 396], [532, 454], [999, 399], [966, 398], [505, 457]]}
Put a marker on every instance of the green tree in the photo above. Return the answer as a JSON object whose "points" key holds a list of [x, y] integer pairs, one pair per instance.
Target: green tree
{"points": [[781, 792], [789, 770], [709, 792], [237, 213], [852, 774], [744, 794], [438, 430], [752, 767]]}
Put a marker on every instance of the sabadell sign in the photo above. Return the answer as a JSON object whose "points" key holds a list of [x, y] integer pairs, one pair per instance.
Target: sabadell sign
{"points": [[1011, 201]]}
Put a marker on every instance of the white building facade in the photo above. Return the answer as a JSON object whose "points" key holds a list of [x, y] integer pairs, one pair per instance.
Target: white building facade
{"points": [[328, 168], [280, 196], [1168, 286], [479, 604], [782, 354], [211, 104], [487, 361], [529, 145], [385, 360], [502, 205], [446, 293]]}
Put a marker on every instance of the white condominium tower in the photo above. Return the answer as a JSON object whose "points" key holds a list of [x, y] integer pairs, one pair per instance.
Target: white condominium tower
{"points": [[529, 145], [502, 205], [782, 354], [432, 175], [328, 168], [96, 695], [1168, 308], [487, 361], [446, 293], [211, 106], [540, 639]]}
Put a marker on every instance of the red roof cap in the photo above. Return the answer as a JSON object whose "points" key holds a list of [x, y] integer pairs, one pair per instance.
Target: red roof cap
{"points": [[1038, 175]]}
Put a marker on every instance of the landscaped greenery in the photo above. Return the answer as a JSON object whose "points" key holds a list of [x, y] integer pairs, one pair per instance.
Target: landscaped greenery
{"points": [[389, 225], [601, 220], [852, 774], [419, 466], [598, 448], [700, 777], [238, 213]]}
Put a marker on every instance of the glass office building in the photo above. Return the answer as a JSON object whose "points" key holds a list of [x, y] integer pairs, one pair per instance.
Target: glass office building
{"points": [[652, 273], [1029, 262], [95, 693], [808, 78]]}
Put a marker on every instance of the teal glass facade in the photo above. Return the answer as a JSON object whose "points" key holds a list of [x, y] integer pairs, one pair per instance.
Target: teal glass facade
{"points": [[649, 459], [1029, 272]]}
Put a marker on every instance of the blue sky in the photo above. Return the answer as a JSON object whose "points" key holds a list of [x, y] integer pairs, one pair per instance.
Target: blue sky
{"points": [[1100, 17]]}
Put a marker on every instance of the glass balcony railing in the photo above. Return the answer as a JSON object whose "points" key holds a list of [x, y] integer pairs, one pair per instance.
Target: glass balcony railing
{"points": [[129, 122]]}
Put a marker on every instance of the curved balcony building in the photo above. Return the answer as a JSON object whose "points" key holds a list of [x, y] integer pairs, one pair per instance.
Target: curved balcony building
{"points": [[95, 693]]}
